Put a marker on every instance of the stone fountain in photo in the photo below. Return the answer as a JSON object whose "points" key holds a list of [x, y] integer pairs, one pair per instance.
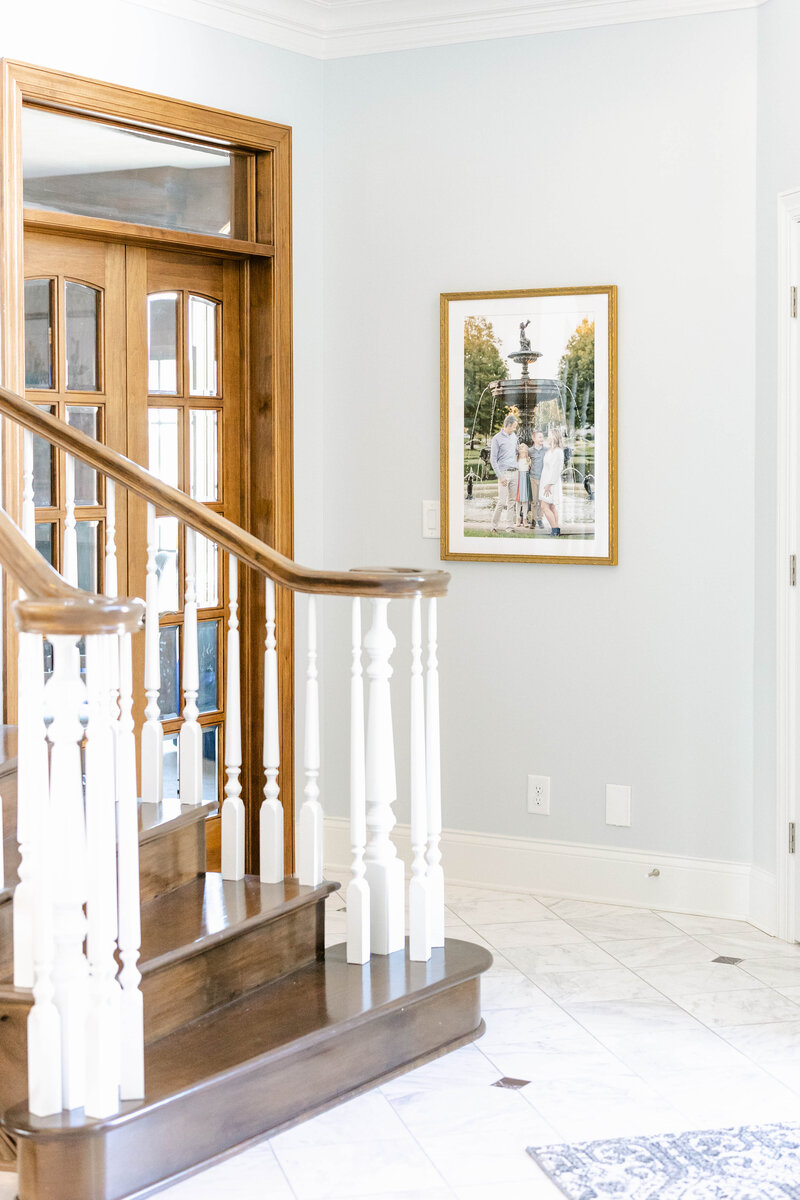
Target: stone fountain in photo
{"points": [[526, 394]]}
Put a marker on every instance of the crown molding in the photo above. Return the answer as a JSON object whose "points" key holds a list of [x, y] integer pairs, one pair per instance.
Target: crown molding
{"points": [[343, 28]]}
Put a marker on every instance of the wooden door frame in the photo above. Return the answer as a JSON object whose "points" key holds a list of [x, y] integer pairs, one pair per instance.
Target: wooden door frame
{"points": [[267, 427]]}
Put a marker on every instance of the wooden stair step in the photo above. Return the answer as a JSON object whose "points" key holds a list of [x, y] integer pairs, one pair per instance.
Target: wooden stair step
{"points": [[172, 845], [214, 940], [285, 1051]]}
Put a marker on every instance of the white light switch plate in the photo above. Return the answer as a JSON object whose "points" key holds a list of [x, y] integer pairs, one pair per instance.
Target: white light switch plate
{"points": [[618, 804], [430, 519]]}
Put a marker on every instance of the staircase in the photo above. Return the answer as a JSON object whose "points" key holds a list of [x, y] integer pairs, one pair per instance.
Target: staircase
{"points": [[246, 1022]]}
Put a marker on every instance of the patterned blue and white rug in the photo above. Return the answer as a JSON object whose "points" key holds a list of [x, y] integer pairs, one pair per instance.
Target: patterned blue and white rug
{"points": [[748, 1163]]}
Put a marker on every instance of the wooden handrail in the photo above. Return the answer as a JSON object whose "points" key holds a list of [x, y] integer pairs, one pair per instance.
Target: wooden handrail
{"points": [[247, 548], [52, 606]]}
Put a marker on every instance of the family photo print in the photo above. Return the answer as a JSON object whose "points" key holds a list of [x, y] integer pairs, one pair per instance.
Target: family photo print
{"points": [[529, 452]]}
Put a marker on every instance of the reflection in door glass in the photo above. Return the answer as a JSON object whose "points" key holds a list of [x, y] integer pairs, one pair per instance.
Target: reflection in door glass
{"points": [[83, 337], [45, 540], [207, 641], [43, 464], [88, 535], [202, 346], [38, 333], [203, 453], [162, 343], [210, 769], [206, 571], [84, 417], [162, 434], [167, 564], [170, 786], [169, 657]]}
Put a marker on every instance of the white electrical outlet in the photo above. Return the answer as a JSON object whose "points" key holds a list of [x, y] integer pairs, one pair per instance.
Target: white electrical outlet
{"points": [[539, 794], [618, 804]]}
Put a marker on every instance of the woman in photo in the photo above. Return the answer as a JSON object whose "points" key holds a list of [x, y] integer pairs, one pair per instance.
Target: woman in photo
{"points": [[524, 491], [550, 483]]}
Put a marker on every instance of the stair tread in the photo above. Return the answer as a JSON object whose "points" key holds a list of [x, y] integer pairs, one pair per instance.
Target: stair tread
{"points": [[208, 910], [292, 1015], [156, 819]]}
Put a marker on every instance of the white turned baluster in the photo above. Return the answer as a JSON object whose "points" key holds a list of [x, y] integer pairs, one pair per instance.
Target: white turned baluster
{"points": [[103, 1032], [434, 783], [70, 559], [419, 909], [233, 814], [152, 733], [30, 681], [65, 694], [357, 888], [384, 868], [111, 539], [309, 832], [28, 505], [44, 1022], [130, 932], [271, 815], [23, 895], [190, 740]]}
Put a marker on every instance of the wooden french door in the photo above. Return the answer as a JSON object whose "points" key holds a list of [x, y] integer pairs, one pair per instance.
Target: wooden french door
{"points": [[140, 348]]}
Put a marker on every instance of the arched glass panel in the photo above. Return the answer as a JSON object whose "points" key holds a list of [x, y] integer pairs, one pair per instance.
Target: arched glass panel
{"points": [[39, 333], [202, 346], [82, 311]]}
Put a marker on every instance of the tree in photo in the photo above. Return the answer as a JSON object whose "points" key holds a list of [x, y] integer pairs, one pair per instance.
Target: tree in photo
{"points": [[576, 370], [483, 364]]}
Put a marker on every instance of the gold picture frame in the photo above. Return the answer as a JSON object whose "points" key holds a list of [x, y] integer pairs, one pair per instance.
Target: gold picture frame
{"points": [[546, 357]]}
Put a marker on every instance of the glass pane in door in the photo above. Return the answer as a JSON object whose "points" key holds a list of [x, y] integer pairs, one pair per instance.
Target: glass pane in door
{"points": [[38, 333], [85, 418], [162, 432], [82, 306], [203, 454], [202, 346], [162, 344]]}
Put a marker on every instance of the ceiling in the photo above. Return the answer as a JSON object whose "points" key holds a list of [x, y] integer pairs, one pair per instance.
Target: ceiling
{"points": [[341, 28]]}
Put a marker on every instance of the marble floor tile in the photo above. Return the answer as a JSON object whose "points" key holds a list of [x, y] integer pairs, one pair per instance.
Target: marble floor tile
{"points": [[536, 1187], [688, 980], [349, 1169], [774, 972], [702, 927], [718, 1098], [495, 1158], [500, 908], [244, 1176], [624, 925], [525, 1029], [752, 947], [507, 988], [752, 1007], [777, 1040], [597, 1105], [567, 909], [569, 1061], [620, 1018], [514, 934], [652, 1054], [606, 984], [464, 1068], [538, 960], [658, 952], [363, 1119], [480, 1112]]}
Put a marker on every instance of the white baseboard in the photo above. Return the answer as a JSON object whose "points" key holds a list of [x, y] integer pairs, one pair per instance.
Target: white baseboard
{"points": [[706, 887]]}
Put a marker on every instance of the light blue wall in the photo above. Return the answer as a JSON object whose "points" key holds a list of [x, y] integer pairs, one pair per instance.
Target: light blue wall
{"points": [[617, 155]]}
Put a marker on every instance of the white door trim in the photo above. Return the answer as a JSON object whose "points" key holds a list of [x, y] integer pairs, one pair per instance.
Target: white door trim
{"points": [[787, 674]]}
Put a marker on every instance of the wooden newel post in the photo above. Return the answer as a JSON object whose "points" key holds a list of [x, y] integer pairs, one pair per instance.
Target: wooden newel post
{"points": [[384, 870]]}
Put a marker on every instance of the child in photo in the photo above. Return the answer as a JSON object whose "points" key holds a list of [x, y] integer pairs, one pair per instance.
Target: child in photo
{"points": [[524, 496]]}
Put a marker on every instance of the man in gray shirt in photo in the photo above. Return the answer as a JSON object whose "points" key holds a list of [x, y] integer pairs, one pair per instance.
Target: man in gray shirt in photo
{"points": [[503, 458], [538, 451]]}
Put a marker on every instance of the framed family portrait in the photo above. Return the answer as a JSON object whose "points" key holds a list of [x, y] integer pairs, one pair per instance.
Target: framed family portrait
{"points": [[529, 425]]}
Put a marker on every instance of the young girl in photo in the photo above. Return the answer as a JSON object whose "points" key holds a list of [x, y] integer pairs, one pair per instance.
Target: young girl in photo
{"points": [[524, 491]]}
